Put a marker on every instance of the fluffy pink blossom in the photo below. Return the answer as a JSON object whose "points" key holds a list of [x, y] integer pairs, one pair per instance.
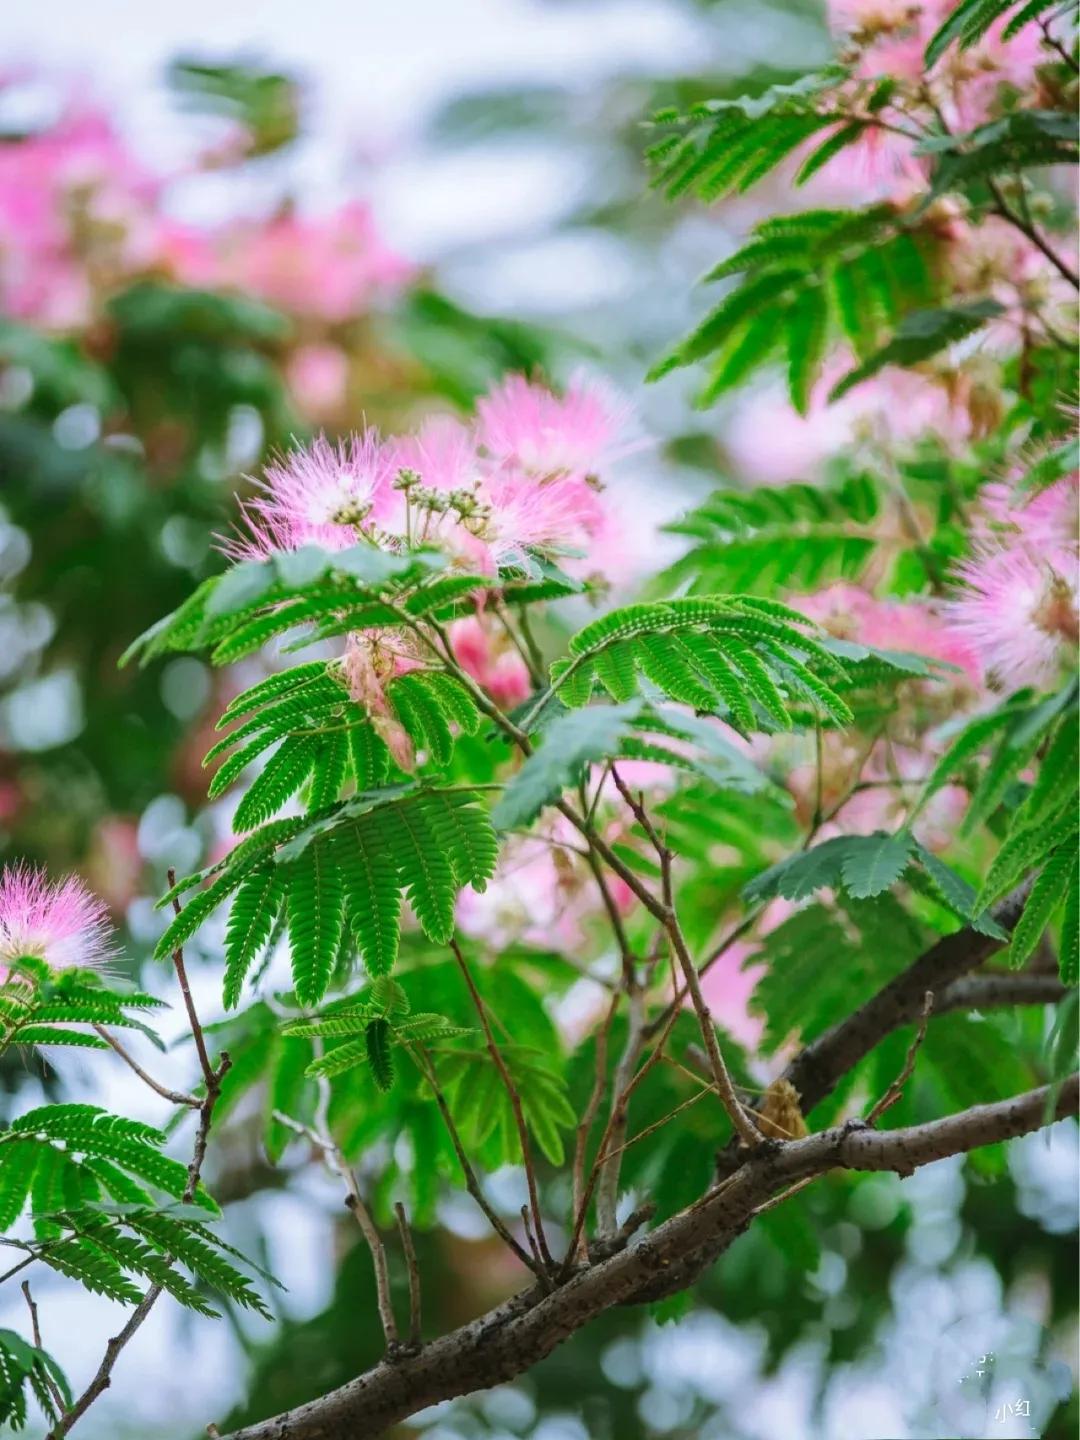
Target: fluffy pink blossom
{"points": [[557, 515], [526, 426], [1017, 609], [321, 495], [443, 454], [878, 165], [1049, 520], [61, 923]]}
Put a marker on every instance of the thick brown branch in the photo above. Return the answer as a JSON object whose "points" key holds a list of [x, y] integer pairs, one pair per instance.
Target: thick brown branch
{"points": [[815, 1070], [985, 992], [509, 1340]]}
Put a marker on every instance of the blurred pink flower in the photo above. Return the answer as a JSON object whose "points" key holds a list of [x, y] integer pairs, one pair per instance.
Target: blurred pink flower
{"points": [[115, 863], [727, 986], [71, 197], [526, 426], [1017, 608], [491, 660], [541, 894], [730, 980], [61, 923], [770, 442], [330, 267], [913, 625], [1049, 520], [318, 375]]}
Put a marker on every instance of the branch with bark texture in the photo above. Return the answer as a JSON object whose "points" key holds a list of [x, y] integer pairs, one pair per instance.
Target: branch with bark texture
{"points": [[518, 1334]]}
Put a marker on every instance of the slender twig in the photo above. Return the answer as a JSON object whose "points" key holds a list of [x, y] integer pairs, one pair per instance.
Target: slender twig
{"points": [[413, 1270], [335, 1161], [605, 1140], [189, 1004], [607, 1186], [588, 1117], [525, 626], [35, 1330], [15, 1269], [526, 1225], [786, 1194], [659, 1124], [512, 1096], [1002, 208], [535, 669], [614, 918], [598, 793], [175, 1097], [744, 1126], [472, 1184], [896, 1089], [520, 738], [1051, 39], [679, 993], [355, 1202]]}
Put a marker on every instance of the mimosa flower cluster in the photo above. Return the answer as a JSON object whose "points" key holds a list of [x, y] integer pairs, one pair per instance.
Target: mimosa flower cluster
{"points": [[523, 478], [60, 922]]}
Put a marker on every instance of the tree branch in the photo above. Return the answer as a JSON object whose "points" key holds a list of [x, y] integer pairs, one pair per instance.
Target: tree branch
{"points": [[816, 1070], [509, 1340]]}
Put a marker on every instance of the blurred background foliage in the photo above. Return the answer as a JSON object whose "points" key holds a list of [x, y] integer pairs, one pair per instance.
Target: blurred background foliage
{"points": [[125, 432]]}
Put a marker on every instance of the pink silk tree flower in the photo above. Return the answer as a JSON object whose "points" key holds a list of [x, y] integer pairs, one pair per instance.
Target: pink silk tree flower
{"points": [[321, 495], [558, 515], [1017, 609], [1049, 520], [330, 266], [318, 376], [487, 655], [524, 425], [913, 625], [442, 452], [62, 923]]}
